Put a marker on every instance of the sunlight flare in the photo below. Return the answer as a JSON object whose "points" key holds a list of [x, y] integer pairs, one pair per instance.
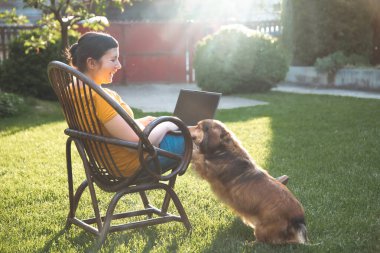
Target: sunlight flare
{"points": [[238, 10]]}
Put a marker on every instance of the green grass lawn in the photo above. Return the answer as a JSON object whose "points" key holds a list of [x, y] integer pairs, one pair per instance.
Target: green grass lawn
{"points": [[329, 146]]}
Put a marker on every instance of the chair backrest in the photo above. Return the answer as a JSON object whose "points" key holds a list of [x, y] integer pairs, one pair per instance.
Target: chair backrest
{"points": [[76, 92]]}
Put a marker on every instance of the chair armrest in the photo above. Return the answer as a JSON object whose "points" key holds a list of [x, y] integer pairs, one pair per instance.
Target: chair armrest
{"points": [[100, 138], [144, 146], [181, 168]]}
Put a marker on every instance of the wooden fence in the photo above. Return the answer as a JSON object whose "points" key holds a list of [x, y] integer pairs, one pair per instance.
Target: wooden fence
{"points": [[153, 51], [163, 51], [7, 34]]}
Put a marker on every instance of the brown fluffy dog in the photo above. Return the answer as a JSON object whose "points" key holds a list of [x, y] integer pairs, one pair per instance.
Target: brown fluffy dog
{"points": [[260, 200]]}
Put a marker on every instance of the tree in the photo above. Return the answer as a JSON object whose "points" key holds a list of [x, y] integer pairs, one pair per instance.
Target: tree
{"points": [[314, 29], [374, 6], [61, 17], [11, 17], [48, 40]]}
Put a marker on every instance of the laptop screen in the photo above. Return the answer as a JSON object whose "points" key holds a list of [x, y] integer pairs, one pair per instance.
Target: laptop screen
{"points": [[193, 106]]}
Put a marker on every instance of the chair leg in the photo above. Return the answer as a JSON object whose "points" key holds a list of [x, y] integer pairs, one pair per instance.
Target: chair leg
{"points": [[145, 201], [78, 195], [87, 169], [95, 205], [108, 218], [171, 194], [74, 201], [166, 202], [70, 182]]}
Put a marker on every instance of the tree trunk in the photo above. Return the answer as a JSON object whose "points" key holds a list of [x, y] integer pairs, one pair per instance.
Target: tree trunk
{"points": [[64, 37], [375, 59], [374, 7]]}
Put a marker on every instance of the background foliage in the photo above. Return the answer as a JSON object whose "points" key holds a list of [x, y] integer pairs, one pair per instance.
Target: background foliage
{"points": [[63, 17], [333, 62], [315, 29], [238, 59], [10, 104], [25, 73]]}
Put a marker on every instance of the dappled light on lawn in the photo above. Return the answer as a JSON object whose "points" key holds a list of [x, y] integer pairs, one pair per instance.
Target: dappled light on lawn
{"points": [[256, 137]]}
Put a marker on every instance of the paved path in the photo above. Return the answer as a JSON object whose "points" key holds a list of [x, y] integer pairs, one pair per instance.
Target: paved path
{"points": [[163, 97], [284, 87]]}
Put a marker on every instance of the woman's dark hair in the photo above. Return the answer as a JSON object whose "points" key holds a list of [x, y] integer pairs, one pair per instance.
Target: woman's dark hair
{"points": [[90, 45]]}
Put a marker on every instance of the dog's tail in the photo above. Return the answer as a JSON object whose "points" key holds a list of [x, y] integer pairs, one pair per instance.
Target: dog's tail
{"points": [[299, 225]]}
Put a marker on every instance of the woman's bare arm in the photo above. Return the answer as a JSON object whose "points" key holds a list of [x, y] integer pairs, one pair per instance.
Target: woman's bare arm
{"points": [[118, 128]]}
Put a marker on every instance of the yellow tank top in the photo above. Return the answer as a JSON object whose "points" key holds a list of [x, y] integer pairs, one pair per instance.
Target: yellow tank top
{"points": [[126, 159]]}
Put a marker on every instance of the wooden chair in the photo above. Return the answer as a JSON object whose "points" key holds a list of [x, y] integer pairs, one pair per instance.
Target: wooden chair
{"points": [[75, 92]]}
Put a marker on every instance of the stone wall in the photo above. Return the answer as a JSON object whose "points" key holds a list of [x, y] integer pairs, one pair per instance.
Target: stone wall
{"points": [[360, 78]]}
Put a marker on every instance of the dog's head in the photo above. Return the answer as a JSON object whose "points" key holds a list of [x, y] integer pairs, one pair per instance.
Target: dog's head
{"points": [[209, 135]]}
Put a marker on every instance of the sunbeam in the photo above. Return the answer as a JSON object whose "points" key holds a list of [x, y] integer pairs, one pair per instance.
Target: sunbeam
{"points": [[238, 10]]}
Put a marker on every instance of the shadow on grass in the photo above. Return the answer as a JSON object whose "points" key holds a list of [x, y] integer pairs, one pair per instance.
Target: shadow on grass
{"points": [[86, 242], [149, 236], [231, 239], [239, 238], [115, 240], [37, 113], [53, 240]]}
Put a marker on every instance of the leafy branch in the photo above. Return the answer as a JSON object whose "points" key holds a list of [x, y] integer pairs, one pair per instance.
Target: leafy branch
{"points": [[61, 18]]}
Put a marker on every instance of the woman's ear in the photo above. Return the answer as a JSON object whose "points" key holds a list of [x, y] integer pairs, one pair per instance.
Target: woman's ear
{"points": [[91, 63], [203, 146]]}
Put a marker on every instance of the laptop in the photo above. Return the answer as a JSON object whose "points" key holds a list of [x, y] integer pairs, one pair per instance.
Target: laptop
{"points": [[193, 106]]}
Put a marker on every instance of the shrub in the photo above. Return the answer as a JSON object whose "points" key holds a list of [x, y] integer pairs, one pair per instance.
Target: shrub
{"points": [[26, 74], [238, 59], [10, 104], [333, 62]]}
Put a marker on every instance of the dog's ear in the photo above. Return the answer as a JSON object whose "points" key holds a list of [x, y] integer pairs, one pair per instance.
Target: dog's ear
{"points": [[225, 136], [211, 139], [203, 146]]}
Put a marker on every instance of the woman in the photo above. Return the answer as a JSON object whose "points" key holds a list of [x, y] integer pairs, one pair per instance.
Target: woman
{"points": [[97, 56]]}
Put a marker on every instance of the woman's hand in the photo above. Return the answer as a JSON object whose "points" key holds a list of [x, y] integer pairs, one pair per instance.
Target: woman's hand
{"points": [[145, 120], [118, 128]]}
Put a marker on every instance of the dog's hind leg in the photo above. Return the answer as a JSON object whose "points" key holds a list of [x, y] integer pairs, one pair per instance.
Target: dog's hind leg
{"points": [[262, 234], [274, 233]]}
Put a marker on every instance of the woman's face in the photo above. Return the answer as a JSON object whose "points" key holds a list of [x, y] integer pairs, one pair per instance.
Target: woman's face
{"points": [[102, 71]]}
